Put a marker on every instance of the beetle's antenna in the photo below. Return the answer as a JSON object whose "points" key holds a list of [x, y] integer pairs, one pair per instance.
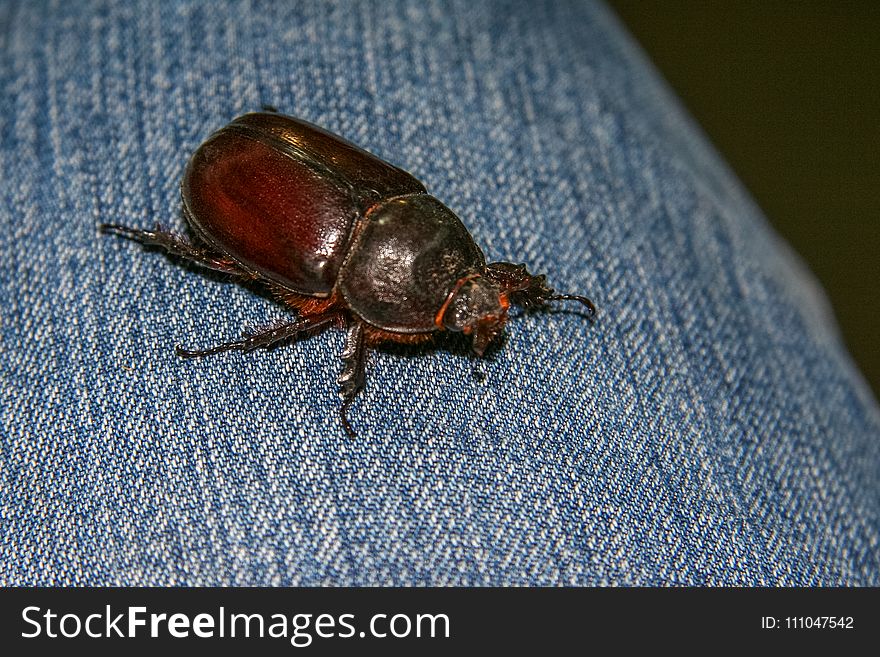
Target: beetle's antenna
{"points": [[575, 297]]}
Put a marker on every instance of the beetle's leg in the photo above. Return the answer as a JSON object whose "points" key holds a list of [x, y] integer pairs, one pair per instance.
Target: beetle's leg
{"points": [[266, 338], [351, 380], [177, 246]]}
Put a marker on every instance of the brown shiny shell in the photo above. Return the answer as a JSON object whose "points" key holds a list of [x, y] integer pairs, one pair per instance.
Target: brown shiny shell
{"points": [[283, 197], [407, 257]]}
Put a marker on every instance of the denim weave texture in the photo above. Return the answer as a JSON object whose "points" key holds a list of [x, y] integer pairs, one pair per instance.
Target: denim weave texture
{"points": [[708, 429]]}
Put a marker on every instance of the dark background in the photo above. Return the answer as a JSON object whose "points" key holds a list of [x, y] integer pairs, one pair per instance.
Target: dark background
{"points": [[789, 92]]}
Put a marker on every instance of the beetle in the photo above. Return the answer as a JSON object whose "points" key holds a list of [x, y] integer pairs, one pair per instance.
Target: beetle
{"points": [[341, 237]]}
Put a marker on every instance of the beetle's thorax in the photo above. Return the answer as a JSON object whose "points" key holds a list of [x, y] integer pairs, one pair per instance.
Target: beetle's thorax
{"points": [[408, 254]]}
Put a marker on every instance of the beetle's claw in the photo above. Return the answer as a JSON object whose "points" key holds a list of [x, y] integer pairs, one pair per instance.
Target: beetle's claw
{"points": [[118, 229], [186, 353], [343, 414]]}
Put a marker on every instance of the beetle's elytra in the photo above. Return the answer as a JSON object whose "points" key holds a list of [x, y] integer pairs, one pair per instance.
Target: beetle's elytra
{"points": [[343, 238]]}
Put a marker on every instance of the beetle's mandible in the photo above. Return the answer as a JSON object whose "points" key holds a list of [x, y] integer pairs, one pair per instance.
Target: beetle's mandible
{"points": [[343, 238]]}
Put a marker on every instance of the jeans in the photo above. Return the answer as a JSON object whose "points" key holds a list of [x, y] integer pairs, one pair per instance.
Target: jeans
{"points": [[708, 429]]}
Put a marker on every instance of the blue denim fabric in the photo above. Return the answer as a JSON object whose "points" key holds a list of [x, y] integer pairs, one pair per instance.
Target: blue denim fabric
{"points": [[708, 429]]}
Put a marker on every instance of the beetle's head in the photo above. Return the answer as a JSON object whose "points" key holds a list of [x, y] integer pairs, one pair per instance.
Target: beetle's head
{"points": [[475, 307]]}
